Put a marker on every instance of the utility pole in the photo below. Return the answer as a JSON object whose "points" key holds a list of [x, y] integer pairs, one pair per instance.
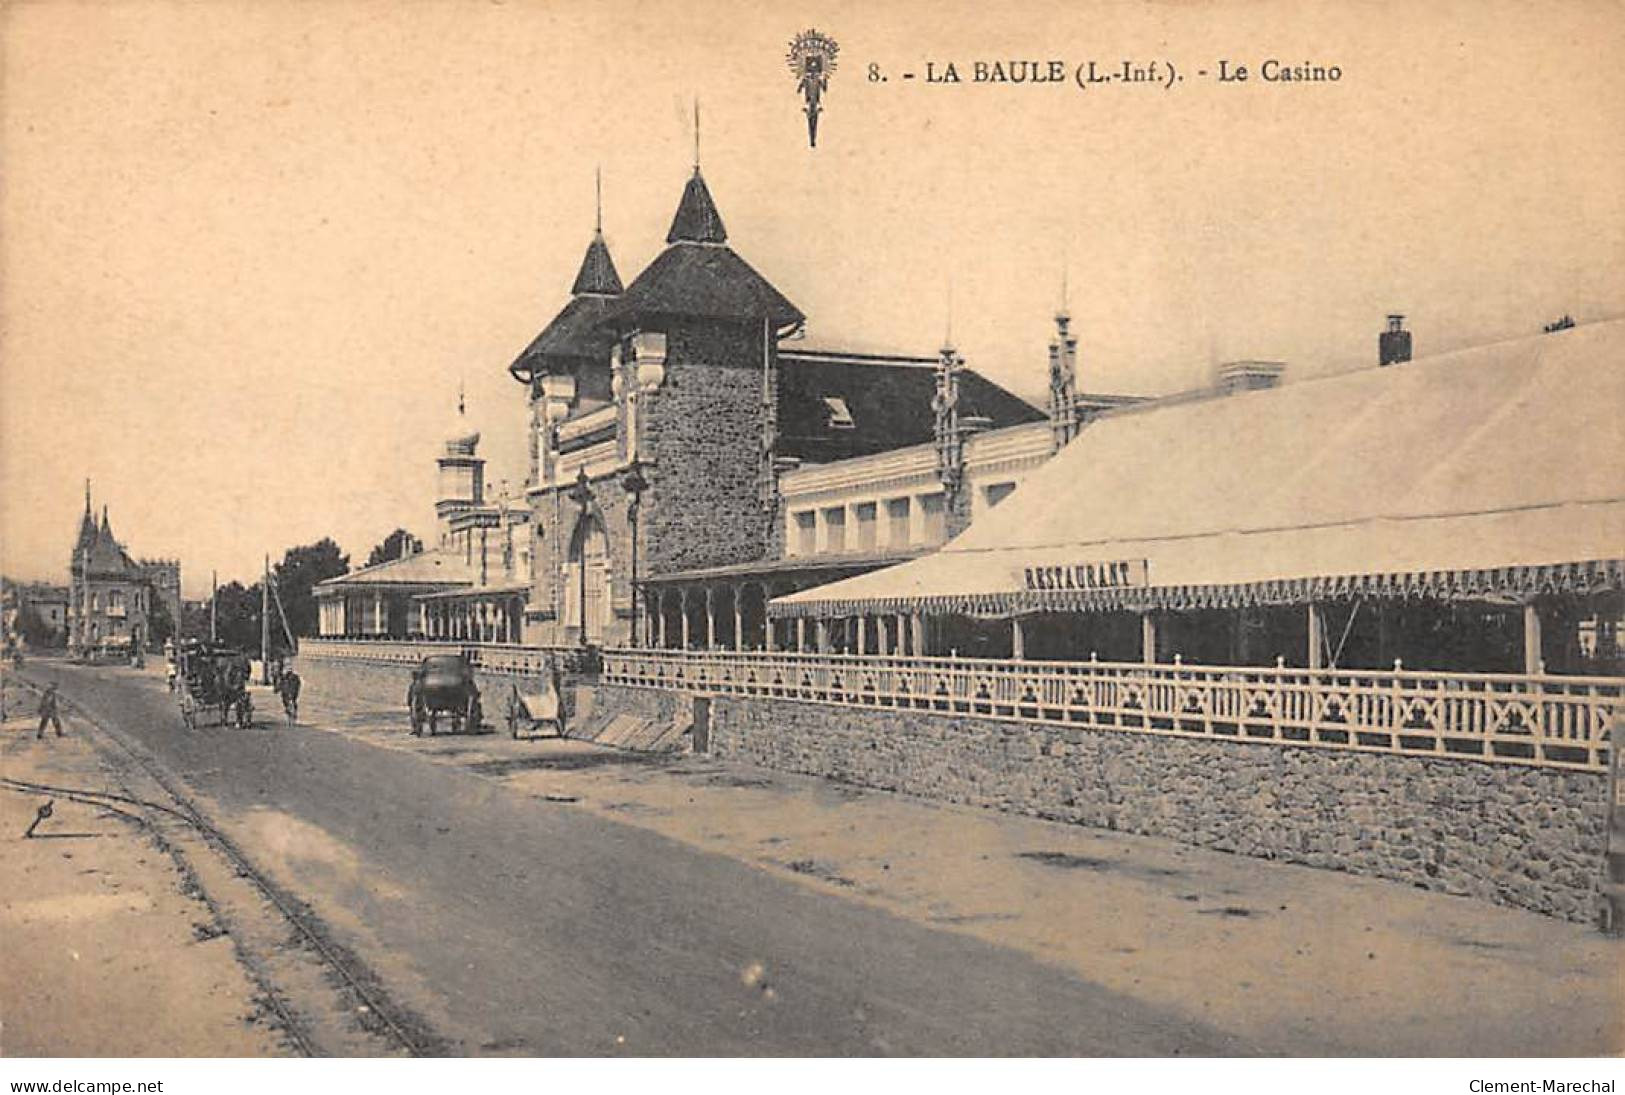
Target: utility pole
{"points": [[265, 624], [214, 604]]}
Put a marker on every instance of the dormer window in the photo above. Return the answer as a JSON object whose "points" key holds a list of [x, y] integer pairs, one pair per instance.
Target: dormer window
{"points": [[840, 415]]}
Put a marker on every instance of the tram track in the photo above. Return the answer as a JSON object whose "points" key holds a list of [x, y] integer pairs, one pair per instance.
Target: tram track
{"points": [[352, 975]]}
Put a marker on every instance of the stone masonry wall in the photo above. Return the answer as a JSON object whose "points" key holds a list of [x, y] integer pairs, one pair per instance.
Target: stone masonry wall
{"points": [[1527, 837], [704, 432]]}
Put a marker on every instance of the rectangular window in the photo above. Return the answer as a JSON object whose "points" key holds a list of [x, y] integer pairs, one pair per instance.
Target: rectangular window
{"points": [[835, 528], [897, 530], [840, 415], [865, 514], [934, 518], [806, 537], [997, 492]]}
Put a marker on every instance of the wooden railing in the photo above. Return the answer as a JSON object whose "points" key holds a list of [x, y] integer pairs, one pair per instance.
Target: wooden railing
{"points": [[522, 661], [1551, 721]]}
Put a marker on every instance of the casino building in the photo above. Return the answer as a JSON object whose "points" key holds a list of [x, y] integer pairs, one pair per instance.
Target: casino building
{"points": [[700, 479]]}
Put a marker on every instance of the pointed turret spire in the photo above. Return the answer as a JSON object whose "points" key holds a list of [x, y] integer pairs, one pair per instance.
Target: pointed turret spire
{"points": [[697, 219], [87, 526], [107, 528], [597, 276]]}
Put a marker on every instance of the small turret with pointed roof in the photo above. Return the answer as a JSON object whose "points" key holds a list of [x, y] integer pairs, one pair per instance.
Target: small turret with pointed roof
{"points": [[573, 334], [87, 526]]}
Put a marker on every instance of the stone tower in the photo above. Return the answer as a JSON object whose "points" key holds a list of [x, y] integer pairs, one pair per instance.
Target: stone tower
{"points": [[695, 360]]}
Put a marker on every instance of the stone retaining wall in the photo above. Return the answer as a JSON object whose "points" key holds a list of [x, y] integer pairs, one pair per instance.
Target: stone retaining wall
{"points": [[1527, 837]]}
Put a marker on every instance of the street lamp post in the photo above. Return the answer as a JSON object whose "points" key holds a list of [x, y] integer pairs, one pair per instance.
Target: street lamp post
{"points": [[635, 484], [581, 495]]}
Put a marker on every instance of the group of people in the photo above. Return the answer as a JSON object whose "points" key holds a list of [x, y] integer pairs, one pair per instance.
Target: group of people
{"points": [[235, 674]]}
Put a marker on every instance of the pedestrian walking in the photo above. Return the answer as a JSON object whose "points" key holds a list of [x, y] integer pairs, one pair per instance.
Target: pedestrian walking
{"points": [[48, 712]]}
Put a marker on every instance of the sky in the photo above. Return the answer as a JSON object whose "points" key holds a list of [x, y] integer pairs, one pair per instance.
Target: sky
{"points": [[249, 251]]}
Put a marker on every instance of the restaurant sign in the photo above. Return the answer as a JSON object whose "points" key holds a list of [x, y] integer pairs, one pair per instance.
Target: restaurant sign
{"points": [[1117, 574]]}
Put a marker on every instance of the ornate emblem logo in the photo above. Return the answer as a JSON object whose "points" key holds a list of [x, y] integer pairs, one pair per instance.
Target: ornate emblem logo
{"points": [[812, 59]]}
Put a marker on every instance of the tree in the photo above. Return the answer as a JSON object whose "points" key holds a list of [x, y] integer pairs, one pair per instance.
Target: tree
{"points": [[392, 546], [237, 615], [296, 577], [159, 625], [33, 628]]}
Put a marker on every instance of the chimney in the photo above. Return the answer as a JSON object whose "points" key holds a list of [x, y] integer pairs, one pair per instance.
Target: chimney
{"points": [[1394, 344]]}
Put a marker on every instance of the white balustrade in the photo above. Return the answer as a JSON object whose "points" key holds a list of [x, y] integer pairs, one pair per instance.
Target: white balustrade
{"points": [[1547, 720]]}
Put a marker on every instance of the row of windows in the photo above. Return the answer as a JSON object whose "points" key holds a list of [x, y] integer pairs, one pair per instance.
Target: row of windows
{"points": [[915, 520], [114, 602]]}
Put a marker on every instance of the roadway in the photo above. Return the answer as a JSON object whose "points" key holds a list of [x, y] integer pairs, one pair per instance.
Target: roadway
{"points": [[513, 925]]}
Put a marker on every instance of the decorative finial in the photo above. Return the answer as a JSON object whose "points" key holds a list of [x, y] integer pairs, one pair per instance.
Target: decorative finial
{"points": [[87, 496], [696, 135], [598, 199], [948, 332], [460, 400]]}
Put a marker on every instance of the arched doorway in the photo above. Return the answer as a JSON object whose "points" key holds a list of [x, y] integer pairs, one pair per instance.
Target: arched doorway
{"points": [[586, 580]]}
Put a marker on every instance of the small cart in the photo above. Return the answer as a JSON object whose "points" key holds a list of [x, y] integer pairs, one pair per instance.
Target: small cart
{"points": [[537, 713]]}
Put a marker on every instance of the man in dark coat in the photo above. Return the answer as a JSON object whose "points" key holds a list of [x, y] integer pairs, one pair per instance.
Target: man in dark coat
{"points": [[48, 712]]}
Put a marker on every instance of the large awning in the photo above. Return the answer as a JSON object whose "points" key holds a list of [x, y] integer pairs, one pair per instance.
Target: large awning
{"points": [[1496, 472]]}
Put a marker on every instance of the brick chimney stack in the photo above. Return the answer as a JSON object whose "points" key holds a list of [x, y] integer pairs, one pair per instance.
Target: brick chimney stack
{"points": [[1394, 344]]}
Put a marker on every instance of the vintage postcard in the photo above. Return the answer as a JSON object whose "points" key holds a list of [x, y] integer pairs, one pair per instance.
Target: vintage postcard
{"points": [[547, 529]]}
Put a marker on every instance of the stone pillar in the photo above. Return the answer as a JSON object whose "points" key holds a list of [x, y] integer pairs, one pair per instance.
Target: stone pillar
{"points": [[1018, 639], [682, 601], [380, 622], [901, 624], [1148, 638], [821, 633], [862, 625], [1317, 637], [1531, 640], [660, 618], [917, 626], [739, 617], [801, 634], [710, 619]]}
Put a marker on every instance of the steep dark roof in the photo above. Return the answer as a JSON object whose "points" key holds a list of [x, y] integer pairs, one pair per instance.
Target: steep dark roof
{"points": [[697, 219], [103, 557], [889, 399], [597, 275], [574, 332], [704, 281], [699, 276]]}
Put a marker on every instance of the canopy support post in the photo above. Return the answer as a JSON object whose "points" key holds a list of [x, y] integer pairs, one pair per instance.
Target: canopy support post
{"points": [[1148, 638], [1317, 637], [1018, 640], [1532, 664]]}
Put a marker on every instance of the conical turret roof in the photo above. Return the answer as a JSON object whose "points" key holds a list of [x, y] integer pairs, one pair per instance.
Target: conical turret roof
{"points": [[597, 276], [697, 219], [699, 276], [87, 526], [574, 333]]}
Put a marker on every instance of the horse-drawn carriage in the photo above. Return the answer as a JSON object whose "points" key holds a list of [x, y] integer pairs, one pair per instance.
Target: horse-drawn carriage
{"points": [[213, 676], [443, 684]]}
